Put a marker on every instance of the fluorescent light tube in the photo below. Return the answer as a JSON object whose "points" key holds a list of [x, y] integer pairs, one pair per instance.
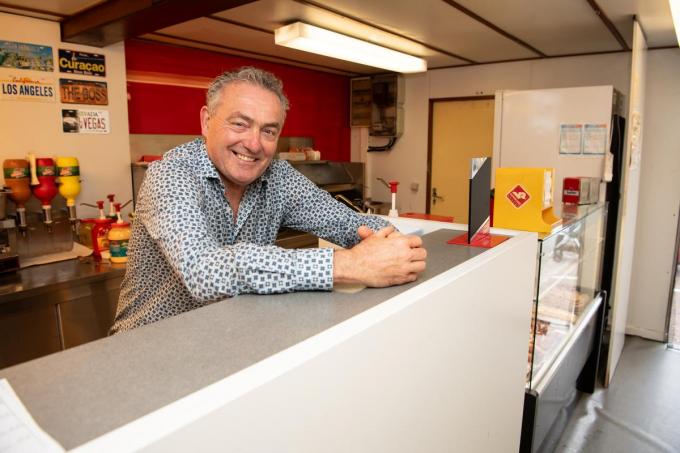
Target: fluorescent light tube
{"points": [[317, 40], [675, 13]]}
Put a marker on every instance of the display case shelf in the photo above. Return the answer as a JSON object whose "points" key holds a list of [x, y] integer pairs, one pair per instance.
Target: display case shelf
{"points": [[567, 283], [567, 323]]}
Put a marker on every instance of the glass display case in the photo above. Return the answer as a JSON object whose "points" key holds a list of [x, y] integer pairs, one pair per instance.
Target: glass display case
{"points": [[567, 285]]}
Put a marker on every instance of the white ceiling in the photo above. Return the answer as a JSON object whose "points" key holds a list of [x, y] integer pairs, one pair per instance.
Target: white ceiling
{"points": [[444, 32]]}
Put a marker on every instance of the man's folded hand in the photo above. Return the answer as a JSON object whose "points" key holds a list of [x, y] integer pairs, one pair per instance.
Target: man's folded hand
{"points": [[382, 258]]}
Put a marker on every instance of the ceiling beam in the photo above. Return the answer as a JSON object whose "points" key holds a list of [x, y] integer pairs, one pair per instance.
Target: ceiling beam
{"points": [[117, 20], [609, 24], [494, 27], [241, 24], [28, 10]]}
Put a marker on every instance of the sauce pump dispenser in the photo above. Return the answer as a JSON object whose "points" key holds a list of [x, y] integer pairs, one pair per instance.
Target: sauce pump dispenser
{"points": [[16, 172], [102, 225], [43, 180], [68, 171]]}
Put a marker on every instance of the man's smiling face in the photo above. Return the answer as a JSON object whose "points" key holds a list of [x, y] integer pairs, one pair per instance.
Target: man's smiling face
{"points": [[241, 134]]}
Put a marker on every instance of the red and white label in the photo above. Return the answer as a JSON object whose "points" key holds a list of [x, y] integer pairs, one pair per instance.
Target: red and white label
{"points": [[518, 196]]}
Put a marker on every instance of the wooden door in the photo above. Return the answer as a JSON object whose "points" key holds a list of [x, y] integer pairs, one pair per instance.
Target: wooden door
{"points": [[461, 129]]}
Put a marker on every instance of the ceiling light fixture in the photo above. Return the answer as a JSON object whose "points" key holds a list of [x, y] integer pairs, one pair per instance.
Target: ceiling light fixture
{"points": [[317, 40], [675, 13]]}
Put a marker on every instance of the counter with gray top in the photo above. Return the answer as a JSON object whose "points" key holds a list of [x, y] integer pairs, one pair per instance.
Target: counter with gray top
{"points": [[104, 387]]}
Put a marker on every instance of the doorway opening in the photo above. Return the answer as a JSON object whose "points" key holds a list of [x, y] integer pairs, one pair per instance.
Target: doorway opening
{"points": [[674, 296], [460, 129]]}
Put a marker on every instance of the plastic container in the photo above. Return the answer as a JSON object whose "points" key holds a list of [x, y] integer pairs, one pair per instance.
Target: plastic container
{"points": [[68, 171], [119, 235], [100, 238], [17, 178], [85, 232]]}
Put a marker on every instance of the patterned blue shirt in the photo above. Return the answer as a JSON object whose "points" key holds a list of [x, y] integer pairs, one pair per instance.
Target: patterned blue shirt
{"points": [[186, 250]]}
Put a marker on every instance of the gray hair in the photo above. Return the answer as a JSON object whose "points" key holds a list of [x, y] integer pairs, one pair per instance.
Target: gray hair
{"points": [[246, 74]]}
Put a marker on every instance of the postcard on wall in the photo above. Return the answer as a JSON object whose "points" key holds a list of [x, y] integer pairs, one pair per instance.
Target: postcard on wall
{"points": [[20, 88], [83, 92], [84, 63], [22, 55], [595, 139], [571, 138], [85, 121]]}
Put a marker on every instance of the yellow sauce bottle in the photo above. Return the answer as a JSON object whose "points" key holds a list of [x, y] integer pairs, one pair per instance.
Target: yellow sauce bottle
{"points": [[119, 235]]}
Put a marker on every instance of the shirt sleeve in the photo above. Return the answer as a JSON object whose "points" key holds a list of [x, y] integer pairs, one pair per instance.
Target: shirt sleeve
{"points": [[315, 211], [171, 209]]}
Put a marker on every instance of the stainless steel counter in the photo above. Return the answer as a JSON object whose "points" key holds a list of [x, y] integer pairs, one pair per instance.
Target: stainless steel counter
{"points": [[37, 280], [84, 392], [51, 307]]}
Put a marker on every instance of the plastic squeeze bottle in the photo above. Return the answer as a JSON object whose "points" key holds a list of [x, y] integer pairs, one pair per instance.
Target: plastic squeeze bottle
{"points": [[119, 236], [17, 172]]}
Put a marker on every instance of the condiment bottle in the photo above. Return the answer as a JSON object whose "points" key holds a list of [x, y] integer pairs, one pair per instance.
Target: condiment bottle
{"points": [[16, 173], [100, 241], [119, 235], [68, 171], [43, 175]]}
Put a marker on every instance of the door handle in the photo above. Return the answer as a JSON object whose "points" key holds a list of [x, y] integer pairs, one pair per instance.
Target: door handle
{"points": [[436, 196]]}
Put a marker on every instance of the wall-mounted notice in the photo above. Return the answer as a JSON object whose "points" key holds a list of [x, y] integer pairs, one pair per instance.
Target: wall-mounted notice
{"points": [[83, 92], [21, 55], [595, 139], [571, 138], [85, 121], [85, 63], [15, 88]]}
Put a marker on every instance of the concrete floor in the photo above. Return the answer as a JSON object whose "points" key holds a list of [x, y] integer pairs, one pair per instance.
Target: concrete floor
{"points": [[638, 413]]}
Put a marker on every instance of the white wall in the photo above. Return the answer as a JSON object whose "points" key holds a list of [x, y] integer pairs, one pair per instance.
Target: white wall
{"points": [[659, 197], [628, 205], [407, 161], [660, 177], [36, 127]]}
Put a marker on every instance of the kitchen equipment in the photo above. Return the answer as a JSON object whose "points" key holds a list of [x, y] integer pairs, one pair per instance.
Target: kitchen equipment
{"points": [[68, 171], [43, 180], [9, 260], [4, 193], [580, 190], [112, 209], [85, 232], [344, 178], [16, 172], [37, 240], [393, 190], [99, 233], [392, 185]]}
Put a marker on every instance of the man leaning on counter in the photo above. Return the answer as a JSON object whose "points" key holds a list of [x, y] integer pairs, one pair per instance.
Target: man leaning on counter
{"points": [[208, 214]]}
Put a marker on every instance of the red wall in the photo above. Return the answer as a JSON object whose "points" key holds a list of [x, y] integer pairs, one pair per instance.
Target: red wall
{"points": [[319, 101]]}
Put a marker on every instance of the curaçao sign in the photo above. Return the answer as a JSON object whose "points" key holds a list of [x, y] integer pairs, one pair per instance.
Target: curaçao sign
{"points": [[39, 89], [85, 63]]}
